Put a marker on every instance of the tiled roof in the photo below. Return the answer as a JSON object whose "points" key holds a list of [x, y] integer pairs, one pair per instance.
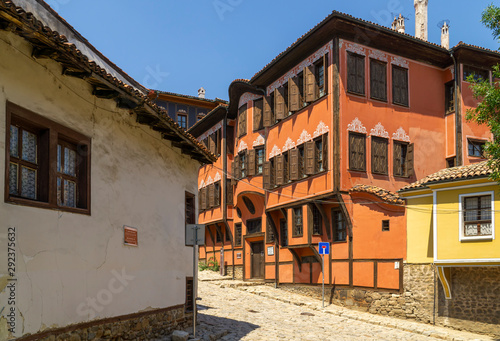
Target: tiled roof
{"points": [[385, 195], [477, 170], [70, 56], [216, 100], [461, 43]]}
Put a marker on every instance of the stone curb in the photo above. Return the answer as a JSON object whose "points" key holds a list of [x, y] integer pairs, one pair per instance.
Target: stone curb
{"points": [[423, 329]]}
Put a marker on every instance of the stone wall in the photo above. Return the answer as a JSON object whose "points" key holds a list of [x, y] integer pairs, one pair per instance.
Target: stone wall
{"points": [[238, 271], [141, 327]]}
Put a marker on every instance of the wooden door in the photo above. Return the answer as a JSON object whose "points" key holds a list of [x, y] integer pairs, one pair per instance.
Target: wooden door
{"points": [[257, 255]]}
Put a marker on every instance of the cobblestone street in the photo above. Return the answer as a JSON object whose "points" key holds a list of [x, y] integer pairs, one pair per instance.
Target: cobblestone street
{"points": [[235, 310]]}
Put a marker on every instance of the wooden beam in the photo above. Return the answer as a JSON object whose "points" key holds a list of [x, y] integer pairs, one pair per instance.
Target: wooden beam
{"points": [[105, 93], [269, 218], [126, 103], [297, 258], [147, 119], [76, 73], [316, 253], [42, 53], [285, 215]]}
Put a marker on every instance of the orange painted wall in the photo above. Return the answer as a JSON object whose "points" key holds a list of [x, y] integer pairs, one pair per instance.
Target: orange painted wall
{"points": [[387, 276], [363, 274], [340, 273], [286, 273]]}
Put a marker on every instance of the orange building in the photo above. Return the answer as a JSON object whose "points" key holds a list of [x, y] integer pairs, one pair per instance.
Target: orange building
{"points": [[314, 147]]}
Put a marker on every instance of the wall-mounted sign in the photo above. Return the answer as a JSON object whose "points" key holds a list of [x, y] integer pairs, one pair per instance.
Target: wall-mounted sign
{"points": [[130, 236], [270, 250], [238, 255]]}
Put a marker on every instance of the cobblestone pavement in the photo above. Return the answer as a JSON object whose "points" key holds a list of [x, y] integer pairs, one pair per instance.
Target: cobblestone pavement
{"points": [[237, 310]]}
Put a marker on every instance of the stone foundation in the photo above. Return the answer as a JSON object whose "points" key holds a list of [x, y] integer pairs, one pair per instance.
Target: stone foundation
{"points": [[238, 271], [140, 326]]}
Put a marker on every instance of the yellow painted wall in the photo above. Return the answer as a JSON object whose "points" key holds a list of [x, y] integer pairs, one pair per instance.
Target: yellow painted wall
{"points": [[448, 220], [419, 230]]}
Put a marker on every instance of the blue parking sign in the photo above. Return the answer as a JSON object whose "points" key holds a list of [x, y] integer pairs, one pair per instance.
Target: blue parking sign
{"points": [[324, 248]]}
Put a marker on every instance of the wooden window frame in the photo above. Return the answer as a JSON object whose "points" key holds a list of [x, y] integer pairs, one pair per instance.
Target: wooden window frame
{"points": [[238, 234], [49, 135], [243, 164], [217, 193], [251, 222], [189, 208], [449, 97], [351, 166], [321, 78], [397, 164], [476, 143], [297, 228], [374, 141], [283, 232], [317, 221], [258, 111], [218, 235], [396, 100], [359, 74], [257, 163], [463, 210], [188, 305], [479, 73], [182, 115], [376, 93], [270, 237], [386, 225], [343, 231]]}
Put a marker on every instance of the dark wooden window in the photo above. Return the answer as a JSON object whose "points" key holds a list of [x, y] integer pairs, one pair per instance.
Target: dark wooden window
{"points": [[268, 174], [211, 196], [355, 73], [259, 160], [294, 92], [357, 151], [339, 226], [237, 234], [216, 190], [476, 148], [270, 237], [182, 120], [295, 169], [242, 162], [378, 80], [317, 221], [477, 216], [33, 144], [297, 221], [269, 117], [451, 162], [230, 139], [204, 202], [249, 204], [403, 159], [189, 294], [321, 68], [321, 153], [258, 107], [251, 162], [379, 155], [283, 232], [385, 225], [449, 97], [218, 233], [254, 226], [242, 120], [280, 164], [189, 208], [478, 74], [281, 102], [399, 85], [214, 142], [229, 192], [226, 233], [311, 85]]}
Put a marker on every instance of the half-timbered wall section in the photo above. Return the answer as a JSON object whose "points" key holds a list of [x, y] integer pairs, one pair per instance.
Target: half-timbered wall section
{"points": [[319, 141]]}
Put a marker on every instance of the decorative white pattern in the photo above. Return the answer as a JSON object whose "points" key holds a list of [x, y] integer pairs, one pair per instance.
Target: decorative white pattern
{"points": [[202, 184], [341, 43], [298, 68], [379, 131], [376, 54], [259, 141], [209, 181], [399, 61], [275, 151], [242, 146], [356, 126], [210, 131], [304, 137], [247, 97], [289, 144], [217, 177], [452, 70], [356, 48], [400, 135], [321, 129]]}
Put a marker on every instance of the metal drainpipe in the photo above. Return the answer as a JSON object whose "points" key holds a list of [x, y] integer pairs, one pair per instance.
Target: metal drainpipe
{"points": [[458, 113]]}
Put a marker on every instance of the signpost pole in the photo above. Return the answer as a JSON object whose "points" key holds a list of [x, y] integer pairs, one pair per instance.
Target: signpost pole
{"points": [[195, 278], [323, 272]]}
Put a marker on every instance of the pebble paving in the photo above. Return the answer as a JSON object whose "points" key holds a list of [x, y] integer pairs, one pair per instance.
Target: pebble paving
{"points": [[236, 310]]}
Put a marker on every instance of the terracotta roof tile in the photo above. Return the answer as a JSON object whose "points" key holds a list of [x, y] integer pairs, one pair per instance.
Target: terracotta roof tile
{"points": [[477, 170], [385, 195]]}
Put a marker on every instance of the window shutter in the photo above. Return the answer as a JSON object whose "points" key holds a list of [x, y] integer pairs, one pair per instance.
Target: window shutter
{"points": [[397, 159], [242, 120], [310, 156], [384, 157], [266, 175], [409, 160], [400, 85], [200, 200], [251, 162], [294, 93], [351, 73], [217, 194], [361, 152], [279, 162], [360, 74], [279, 103], [325, 72], [230, 139], [352, 151], [378, 80], [294, 164], [211, 195], [257, 114], [229, 193], [203, 193], [213, 144], [324, 144], [237, 168], [268, 113], [311, 85]]}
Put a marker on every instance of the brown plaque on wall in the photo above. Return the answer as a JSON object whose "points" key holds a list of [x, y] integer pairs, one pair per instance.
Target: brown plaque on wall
{"points": [[130, 236]]}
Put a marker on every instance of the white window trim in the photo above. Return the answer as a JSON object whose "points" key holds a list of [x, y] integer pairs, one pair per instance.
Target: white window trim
{"points": [[462, 237]]}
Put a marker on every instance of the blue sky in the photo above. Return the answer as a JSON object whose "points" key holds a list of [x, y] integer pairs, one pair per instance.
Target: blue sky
{"points": [[181, 45]]}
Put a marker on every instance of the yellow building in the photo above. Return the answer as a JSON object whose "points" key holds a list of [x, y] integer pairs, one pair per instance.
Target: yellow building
{"points": [[451, 227]]}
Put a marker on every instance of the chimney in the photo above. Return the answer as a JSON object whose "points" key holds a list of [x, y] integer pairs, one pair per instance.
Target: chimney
{"points": [[445, 36], [399, 24], [201, 92], [421, 18]]}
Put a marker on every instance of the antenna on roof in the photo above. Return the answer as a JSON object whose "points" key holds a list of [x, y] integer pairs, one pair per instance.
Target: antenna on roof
{"points": [[441, 23]]}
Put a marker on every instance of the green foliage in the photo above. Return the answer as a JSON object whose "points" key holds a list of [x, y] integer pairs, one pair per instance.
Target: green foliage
{"points": [[491, 19], [488, 94], [211, 264]]}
